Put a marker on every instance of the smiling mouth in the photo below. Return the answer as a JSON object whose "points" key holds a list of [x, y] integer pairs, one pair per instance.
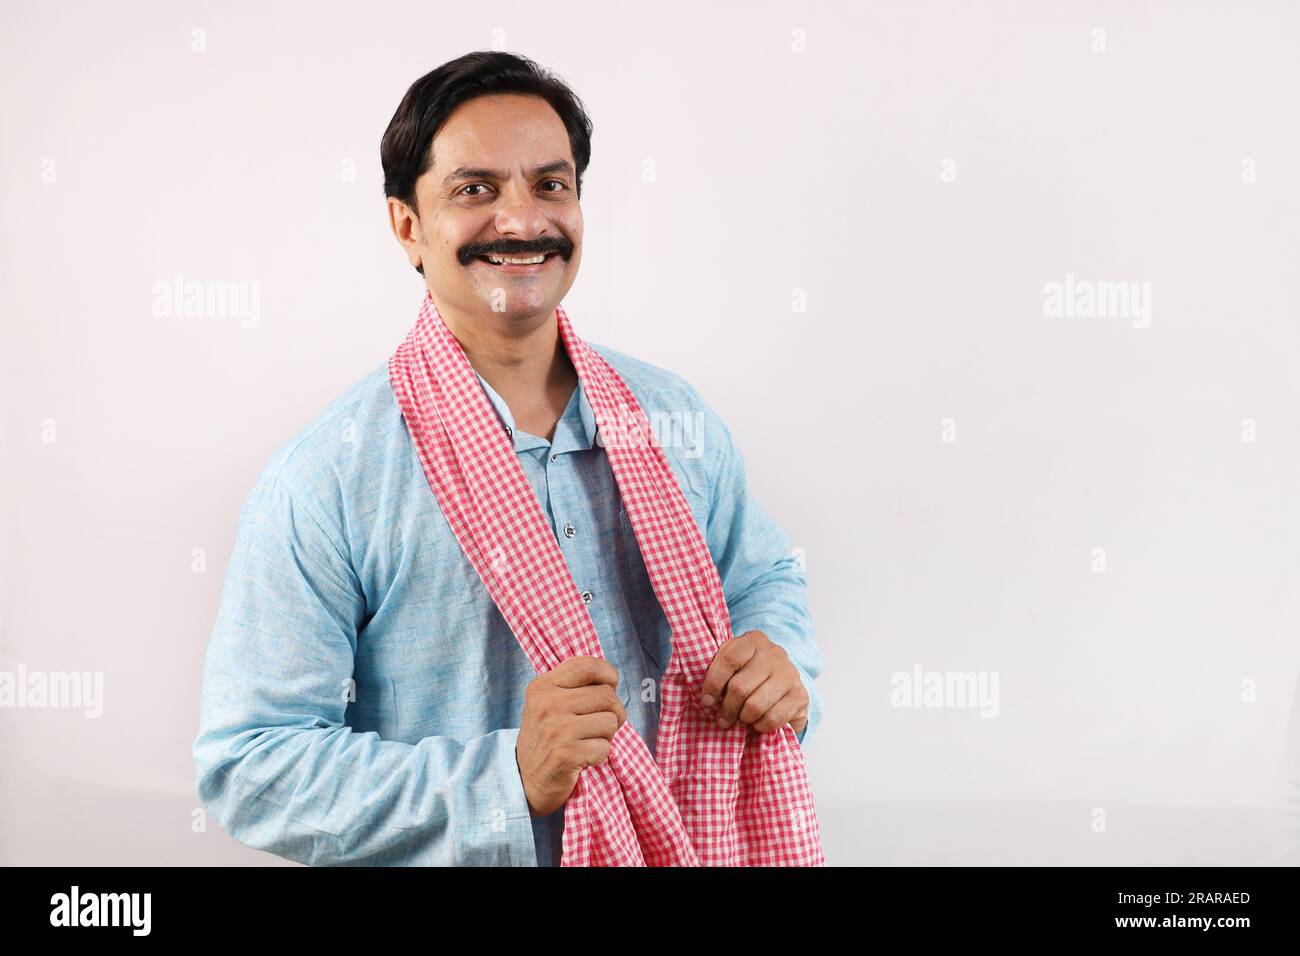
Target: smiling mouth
{"points": [[517, 262]]}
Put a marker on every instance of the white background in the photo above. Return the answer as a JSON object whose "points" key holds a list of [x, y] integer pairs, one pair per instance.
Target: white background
{"points": [[775, 169]]}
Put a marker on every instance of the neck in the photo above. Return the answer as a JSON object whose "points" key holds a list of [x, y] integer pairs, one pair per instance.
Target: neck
{"points": [[523, 360]]}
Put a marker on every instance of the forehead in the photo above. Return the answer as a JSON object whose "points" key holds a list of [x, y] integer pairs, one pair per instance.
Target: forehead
{"points": [[501, 129]]}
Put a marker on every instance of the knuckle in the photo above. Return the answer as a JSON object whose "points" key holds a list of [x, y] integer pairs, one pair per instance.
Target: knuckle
{"points": [[741, 687], [576, 759], [560, 758], [550, 735]]}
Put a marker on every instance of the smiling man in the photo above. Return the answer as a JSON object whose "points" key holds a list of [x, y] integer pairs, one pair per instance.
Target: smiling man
{"points": [[466, 603]]}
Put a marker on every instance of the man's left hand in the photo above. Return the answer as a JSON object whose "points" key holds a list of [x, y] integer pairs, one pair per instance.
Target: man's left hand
{"points": [[752, 680]]}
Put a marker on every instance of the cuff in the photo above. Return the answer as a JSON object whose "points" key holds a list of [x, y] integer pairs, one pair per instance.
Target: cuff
{"points": [[815, 708], [509, 822]]}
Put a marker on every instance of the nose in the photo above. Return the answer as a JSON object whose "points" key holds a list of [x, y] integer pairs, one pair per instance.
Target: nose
{"points": [[518, 214]]}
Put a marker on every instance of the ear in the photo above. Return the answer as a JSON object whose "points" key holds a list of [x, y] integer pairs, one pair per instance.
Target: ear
{"points": [[406, 227]]}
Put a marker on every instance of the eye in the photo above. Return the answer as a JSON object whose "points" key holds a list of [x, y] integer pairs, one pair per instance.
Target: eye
{"points": [[474, 186], [559, 182]]}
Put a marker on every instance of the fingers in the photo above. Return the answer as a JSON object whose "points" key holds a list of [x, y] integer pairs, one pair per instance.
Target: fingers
{"points": [[757, 703], [596, 699], [731, 657], [573, 758], [753, 682], [743, 685], [581, 671], [590, 753], [599, 726], [788, 710]]}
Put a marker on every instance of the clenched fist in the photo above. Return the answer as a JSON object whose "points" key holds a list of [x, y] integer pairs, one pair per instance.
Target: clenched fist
{"points": [[752, 680], [570, 714]]}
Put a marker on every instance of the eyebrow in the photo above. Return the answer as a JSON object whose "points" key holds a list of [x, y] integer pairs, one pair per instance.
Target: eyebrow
{"points": [[462, 173]]}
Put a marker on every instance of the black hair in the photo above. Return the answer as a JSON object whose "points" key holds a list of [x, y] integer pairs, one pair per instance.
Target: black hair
{"points": [[406, 150]]}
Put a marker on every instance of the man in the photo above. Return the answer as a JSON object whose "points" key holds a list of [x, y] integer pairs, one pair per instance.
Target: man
{"points": [[364, 701]]}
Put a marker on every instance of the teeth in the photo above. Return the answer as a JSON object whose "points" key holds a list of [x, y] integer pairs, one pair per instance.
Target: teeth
{"points": [[533, 260]]}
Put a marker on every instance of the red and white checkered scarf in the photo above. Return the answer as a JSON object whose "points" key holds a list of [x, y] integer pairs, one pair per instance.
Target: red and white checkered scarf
{"points": [[716, 797]]}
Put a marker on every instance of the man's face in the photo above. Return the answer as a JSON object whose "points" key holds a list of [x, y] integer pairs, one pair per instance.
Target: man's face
{"points": [[502, 182]]}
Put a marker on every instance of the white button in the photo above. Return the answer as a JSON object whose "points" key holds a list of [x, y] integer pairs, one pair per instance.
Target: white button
{"points": [[510, 431], [553, 457], [586, 597], [569, 530]]}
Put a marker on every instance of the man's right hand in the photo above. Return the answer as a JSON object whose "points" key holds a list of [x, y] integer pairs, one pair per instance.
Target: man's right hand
{"points": [[570, 714]]}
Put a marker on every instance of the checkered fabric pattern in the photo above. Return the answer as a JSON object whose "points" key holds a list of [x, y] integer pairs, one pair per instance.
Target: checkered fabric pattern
{"points": [[715, 797]]}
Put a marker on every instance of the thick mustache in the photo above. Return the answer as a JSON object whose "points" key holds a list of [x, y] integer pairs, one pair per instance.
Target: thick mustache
{"points": [[515, 247]]}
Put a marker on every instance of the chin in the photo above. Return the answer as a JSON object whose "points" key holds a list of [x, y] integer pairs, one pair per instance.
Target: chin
{"points": [[522, 306]]}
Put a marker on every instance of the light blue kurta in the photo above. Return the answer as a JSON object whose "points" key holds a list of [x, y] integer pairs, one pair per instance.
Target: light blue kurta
{"points": [[362, 693]]}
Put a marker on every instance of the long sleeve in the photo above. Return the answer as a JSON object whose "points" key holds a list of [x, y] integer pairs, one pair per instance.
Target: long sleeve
{"points": [[764, 583], [276, 765]]}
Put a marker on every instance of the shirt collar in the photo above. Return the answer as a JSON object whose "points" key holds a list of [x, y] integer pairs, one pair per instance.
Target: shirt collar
{"points": [[575, 430]]}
